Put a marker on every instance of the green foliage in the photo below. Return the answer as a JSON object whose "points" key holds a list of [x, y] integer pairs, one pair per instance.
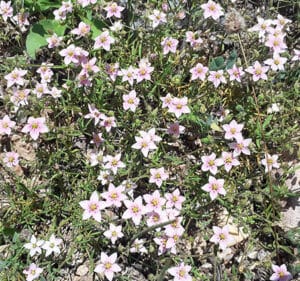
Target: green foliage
{"points": [[39, 32]]}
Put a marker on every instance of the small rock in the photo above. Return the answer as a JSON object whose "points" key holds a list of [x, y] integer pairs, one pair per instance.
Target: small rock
{"points": [[253, 255], [82, 270]]}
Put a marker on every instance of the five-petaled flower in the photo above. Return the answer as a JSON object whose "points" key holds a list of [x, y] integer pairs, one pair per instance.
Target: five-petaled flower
{"points": [[35, 126], [108, 266], [92, 207]]}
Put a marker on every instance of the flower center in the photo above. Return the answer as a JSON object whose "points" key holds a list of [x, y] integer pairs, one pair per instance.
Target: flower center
{"points": [[222, 236], [211, 163], [228, 160], [214, 187], [114, 233], [114, 195], [154, 202], [107, 265], [135, 209], [181, 273], [114, 162], [212, 8], [93, 207], [34, 125], [32, 272]]}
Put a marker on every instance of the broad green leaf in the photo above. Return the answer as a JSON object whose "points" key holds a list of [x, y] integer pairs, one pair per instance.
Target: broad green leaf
{"points": [[96, 26], [37, 35], [217, 64], [53, 26], [231, 59], [34, 42]]}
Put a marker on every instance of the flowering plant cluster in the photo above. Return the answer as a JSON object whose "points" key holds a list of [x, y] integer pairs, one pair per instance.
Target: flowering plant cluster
{"points": [[130, 128]]}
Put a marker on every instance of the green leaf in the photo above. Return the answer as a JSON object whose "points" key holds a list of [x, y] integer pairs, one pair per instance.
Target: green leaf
{"points": [[48, 4], [52, 26], [231, 59], [38, 33], [96, 26], [267, 121], [34, 42], [217, 64]]}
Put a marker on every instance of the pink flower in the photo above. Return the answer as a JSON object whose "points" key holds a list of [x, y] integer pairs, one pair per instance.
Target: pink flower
{"points": [[105, 177], [175, 228], [270, 162], [70, 54], [281, 21], [135, 210], [113, 233], [235, 73], [214, 187], [114, 196], [112, 70], [128, 74], [54, 41], [104, 40], [258, 71], [169, 45], [6, 10], [108, 123], [276, 63], [241, 146], [179, 106], [233, 130], [51, 246], [217, 77], [92, 207], [154, 218], [34, 246], [85, 3], [143, 72], [280, 273], [221, 236], [212, 9], [181, 272], [11, 159], [41, 89], [174, 199], [191, 37], [113, 163], [82, 30], [15, 77], [175, 129], [6, 125], [32, 272], [157, 18], [130, 101], [108, 266], [20, 97], [138, 247], [167, 101], [113, 10], [95, 114], [154, 202], [97, 139], [35, 126], [210, 163], [276, 43], [158, 176], [229, 161], [144, 143], [199, 72], [262, 26], [90, 66]]}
